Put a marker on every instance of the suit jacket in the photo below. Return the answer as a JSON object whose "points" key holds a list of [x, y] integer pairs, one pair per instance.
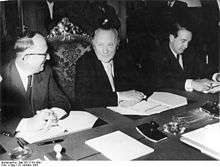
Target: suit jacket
{"points": [[163, 16], [176, 12], [45, 94], [169, 73], [58, 14], [93, 88]]}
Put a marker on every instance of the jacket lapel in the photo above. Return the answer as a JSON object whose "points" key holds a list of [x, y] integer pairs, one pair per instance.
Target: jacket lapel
{"points": [[101, 74], [173, 61], [16, 80]]}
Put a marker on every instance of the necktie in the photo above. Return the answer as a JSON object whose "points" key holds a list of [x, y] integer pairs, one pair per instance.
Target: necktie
{"points": [[29, 92], [29, 85], [180, 60], [109, 70]]}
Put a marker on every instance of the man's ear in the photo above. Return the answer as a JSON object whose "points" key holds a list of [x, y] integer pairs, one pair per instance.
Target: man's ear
{"points": [[24, 57], [171, 37], [92, 42], [118, 43]]}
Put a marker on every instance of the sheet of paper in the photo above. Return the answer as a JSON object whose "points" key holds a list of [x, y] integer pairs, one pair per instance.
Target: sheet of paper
{"points": [[119, 146], [205, 139], [76, 121], [142, 108], [169, 99], [156, 103]]}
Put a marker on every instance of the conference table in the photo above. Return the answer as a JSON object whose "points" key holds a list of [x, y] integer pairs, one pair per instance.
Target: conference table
{"points": [[169, 149]]}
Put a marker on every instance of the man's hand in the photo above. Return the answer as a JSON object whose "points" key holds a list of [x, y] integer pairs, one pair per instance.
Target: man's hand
{"points": [[215, 87], [127, 103], [44, 119], [202, 85], [131, 95]]}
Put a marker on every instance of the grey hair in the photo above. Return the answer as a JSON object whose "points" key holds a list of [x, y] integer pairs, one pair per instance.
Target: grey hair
{"points": [[22, 44]]}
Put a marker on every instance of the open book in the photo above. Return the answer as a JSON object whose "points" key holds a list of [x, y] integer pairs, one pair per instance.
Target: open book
{"points": [[76, 121], [119, 146], [156, 103], [205, 139]]}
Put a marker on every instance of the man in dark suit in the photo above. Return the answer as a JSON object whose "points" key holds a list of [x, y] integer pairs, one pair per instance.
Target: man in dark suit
{"points": [[178, 67], [165, 13], [104, 77], [28, 87], [176, 9], [52, 12]]}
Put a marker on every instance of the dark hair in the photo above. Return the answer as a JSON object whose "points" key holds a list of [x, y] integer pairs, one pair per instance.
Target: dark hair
{"points": [[105, 24], [177, 26]]}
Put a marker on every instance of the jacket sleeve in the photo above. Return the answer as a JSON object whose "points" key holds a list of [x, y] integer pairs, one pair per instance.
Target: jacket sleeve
{"points": [[56, 96]]}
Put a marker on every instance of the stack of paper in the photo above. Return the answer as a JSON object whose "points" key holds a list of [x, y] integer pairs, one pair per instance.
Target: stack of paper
{"points": [[76, 121], [119, 146], [205, 139], [156, 103]]}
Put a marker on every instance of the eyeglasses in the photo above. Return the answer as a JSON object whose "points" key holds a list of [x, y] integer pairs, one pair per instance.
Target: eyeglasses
{"points": [[45, 55], [41, 54]]}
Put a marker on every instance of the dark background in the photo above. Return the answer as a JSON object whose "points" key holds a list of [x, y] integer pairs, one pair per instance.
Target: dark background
{"points": [[138, 24]]}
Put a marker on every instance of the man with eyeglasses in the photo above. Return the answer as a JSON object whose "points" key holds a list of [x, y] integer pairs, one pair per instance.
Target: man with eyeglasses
{"points": [[29, 93]]}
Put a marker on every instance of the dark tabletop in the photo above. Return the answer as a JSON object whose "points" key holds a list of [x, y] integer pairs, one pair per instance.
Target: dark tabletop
{"points": [[170, 149]]}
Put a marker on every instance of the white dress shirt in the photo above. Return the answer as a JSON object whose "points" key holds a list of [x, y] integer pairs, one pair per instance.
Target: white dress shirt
{"points": [[23, 76]]}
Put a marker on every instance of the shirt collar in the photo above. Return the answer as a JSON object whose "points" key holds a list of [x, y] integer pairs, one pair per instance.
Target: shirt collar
{"points": [[174, 53], [21, 71], [50, 3], [171, 3], [110, 62], [23, 75]]}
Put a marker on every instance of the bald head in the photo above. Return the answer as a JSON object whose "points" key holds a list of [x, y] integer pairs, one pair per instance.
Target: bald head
{"points": [[31, 53]]}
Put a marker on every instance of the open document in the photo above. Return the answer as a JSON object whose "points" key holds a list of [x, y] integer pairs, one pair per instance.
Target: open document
{"points": [[205, 139], [76, 121], [156, 103]]}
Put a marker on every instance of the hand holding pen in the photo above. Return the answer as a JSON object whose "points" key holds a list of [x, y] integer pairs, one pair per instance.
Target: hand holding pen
{"points": [[214, 88]]}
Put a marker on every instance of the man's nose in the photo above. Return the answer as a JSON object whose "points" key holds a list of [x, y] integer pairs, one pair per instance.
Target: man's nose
{"points": [[185, 45], [105, 50]]}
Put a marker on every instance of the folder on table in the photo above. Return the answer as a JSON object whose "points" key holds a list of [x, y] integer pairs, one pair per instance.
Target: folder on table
{"points": [[119, 146], [205, 139], [156, 103]]}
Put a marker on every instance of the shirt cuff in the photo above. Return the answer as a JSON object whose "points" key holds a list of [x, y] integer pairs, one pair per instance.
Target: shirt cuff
{"points": [[118, 97], [22, 126], [214, 77], [188, 85]]}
